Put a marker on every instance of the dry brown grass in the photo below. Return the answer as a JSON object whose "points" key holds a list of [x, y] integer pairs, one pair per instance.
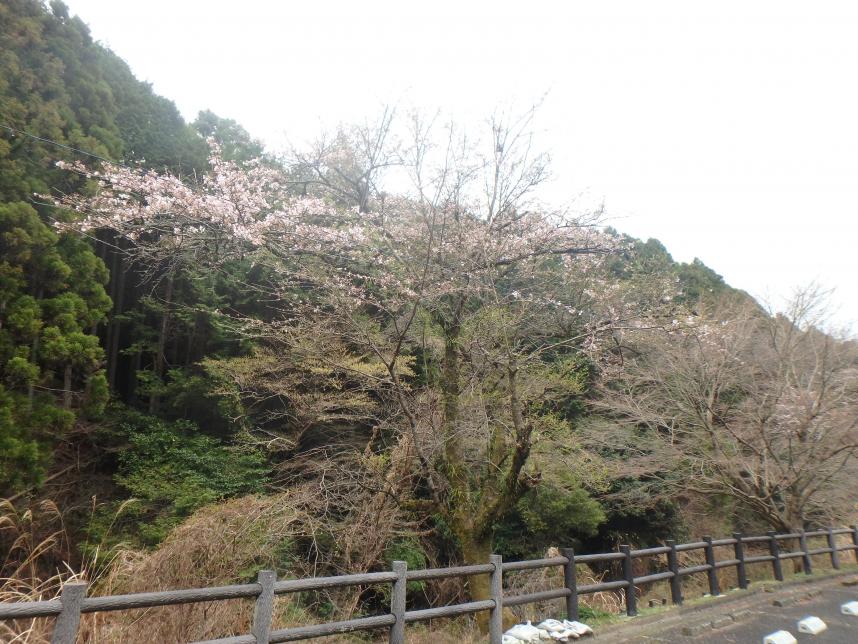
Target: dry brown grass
{"points": [[531, 581], [36, 550], [226, 544], [220, 545]]}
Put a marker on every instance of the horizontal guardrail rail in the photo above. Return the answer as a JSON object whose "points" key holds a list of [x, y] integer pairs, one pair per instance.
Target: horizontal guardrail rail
{"points": [[72, 602]]}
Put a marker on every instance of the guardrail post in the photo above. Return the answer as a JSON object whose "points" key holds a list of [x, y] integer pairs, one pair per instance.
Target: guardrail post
{"points": [[805, 557], [496, 616], [775, 551], [397, 603], [571, 582], [855, 540], [264, 608], [739, 551], [712, 573], [673, 566], [832, 544], [629, 574], [68, 621]]}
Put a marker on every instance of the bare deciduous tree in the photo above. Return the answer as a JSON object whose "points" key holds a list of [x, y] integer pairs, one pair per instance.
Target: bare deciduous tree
{"points": [[349, 164], [761, 407]]}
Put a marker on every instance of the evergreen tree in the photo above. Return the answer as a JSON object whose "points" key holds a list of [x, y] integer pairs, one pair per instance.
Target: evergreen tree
{"points": [[52, 298]]}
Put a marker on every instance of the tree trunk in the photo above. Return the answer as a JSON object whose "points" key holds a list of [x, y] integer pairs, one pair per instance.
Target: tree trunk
{"points": [[794, 522], [113, 329], [189, 345], [34, 349], [67, 384], [454, 467], [475, 551], [132, 376], [154, 399]]}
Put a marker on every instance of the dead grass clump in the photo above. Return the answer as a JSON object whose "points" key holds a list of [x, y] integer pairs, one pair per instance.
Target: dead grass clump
{"points": [[36, 553], [531, 581], [462, 630], [219, 545]]}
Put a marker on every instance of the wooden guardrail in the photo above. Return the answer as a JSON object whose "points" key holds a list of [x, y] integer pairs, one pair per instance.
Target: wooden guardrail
{"points": [[73, 602]]}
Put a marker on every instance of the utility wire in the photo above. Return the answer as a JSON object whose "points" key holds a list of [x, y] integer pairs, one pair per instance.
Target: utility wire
{"points": [[16, 131]]}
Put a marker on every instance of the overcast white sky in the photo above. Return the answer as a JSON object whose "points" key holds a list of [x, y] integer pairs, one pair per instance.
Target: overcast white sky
{"points": [[728, 130]]}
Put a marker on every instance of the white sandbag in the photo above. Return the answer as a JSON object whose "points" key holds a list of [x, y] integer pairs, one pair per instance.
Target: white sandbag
{"points": [[527, 632], [780, 637], [557, 630], [812, 625], [578, 628], [551, 625]]}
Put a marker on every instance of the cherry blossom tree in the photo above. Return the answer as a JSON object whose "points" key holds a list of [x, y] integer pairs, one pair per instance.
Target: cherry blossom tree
{"points": [[462, 308]]}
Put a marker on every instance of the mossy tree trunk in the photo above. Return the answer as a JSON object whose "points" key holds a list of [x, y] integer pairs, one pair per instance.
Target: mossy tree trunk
{"points": [[479, 492]]}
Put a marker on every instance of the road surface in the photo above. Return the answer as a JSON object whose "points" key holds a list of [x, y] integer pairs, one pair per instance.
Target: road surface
{"points": [[842, 629], [748, 617]]}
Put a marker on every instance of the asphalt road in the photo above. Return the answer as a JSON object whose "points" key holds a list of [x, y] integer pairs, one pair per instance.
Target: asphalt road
{"points": [[765, 618], [741, 617], [842, 629]]}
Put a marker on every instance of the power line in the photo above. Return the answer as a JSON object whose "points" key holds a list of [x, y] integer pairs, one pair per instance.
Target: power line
{"points": [[16, 131]]}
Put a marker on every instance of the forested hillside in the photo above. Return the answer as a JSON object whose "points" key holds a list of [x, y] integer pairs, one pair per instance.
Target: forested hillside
{"points": [[201, 343]]}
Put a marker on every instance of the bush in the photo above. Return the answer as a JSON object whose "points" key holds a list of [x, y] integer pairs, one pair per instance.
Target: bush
{"points": [[548, 516], [172, 469], [20, 456], [411, 552], [97, 396], [28, 428]]}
